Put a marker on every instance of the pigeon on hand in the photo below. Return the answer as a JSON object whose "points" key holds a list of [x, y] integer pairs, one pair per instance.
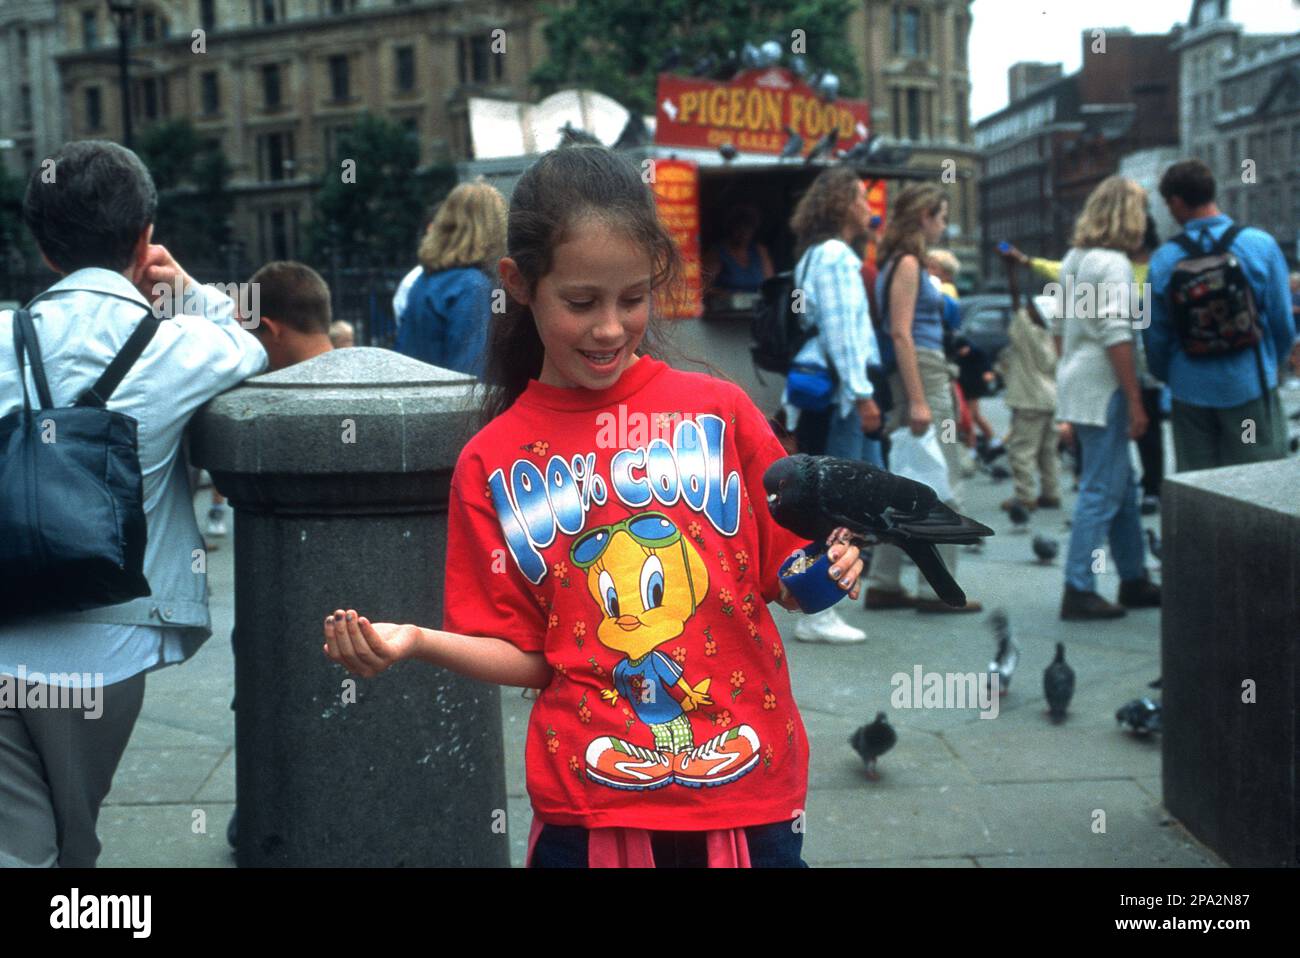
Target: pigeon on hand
{"points": [[1058, 684], [814, 495], [872, 741], [1141, 716], [1153, 542], [824, 147], [1046, 548], [793, 146], [1008, 654]]}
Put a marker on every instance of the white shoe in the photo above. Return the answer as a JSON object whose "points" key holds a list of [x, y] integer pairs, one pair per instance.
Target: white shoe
{"points": [[216, 521], [827, 626]]}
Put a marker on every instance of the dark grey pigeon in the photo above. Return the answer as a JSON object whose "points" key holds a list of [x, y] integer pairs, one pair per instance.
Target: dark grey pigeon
{"points": [[815, 495], [1019, 514], [1046, 548], [1140, 716], [872, 741], [1058, 684], [793, 146]]}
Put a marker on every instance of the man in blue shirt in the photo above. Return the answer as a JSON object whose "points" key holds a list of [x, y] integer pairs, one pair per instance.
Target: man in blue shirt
{"points": [[1222, 414]]}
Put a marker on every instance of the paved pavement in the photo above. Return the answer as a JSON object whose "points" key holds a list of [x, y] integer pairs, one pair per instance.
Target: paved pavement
{"points": [[956, 791]]}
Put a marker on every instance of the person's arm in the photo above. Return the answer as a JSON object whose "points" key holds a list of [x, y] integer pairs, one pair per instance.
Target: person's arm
{"points": [[1114, 329], [843, 324], [1157, 338], [1048, 269], [1281, 324], [1013, 281], [903, 287]]}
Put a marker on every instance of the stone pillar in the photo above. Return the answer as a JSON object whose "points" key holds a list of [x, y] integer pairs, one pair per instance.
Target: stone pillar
{"points": [[339, 470], [1231, 577]]}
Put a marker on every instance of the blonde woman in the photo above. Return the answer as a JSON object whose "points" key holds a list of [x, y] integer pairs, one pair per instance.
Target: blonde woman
{"points": [[912, 313], [1099, 396], [446, 317]]}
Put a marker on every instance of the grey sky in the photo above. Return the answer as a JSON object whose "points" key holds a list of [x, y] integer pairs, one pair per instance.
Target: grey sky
{"points": [[1004, 32]]}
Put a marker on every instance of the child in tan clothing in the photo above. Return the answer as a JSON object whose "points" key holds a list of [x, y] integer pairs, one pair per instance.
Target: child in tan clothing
{"points": [[1029, 369]]}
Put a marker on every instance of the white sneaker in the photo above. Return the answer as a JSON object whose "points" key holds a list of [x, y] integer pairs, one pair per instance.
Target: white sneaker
{"points": [[827, 626], [216, 521]]}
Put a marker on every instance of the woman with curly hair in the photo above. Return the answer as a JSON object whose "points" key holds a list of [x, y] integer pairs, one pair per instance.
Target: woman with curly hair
{"points": [[1099, 395], [827, 218]]}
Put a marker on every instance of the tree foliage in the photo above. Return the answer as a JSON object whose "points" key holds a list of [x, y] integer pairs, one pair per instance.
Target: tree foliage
{"points": [[190, 173], [616, 47]]}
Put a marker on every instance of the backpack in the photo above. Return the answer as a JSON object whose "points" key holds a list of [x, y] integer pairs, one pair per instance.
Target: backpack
{"points": [[1211, 302], [72, 522], [775, 330]]}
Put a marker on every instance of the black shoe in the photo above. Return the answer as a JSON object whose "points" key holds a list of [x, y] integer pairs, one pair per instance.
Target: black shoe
{"points": [[1139, 594], [1076, 604]]}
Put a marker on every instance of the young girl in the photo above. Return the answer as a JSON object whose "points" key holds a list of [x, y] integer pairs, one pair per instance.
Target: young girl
{"points": [[609, 543]]}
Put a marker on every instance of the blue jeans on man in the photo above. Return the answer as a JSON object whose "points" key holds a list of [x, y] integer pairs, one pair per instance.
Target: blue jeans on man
{"points": [[845, 440], [1107, 506]]}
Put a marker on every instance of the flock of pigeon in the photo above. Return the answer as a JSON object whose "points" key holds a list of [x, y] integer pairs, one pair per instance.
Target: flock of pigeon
{"points": [[814, 495]]}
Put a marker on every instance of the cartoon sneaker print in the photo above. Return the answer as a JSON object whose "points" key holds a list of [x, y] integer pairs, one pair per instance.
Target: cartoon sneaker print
{"points": [[619, 764], [723, 758]]}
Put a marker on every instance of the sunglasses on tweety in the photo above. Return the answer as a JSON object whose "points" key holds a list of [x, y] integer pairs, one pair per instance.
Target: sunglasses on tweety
{"points": [[654, 530]]}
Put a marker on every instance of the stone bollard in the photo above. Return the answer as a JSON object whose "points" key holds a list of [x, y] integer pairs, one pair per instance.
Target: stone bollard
{"points": [[338, 470], [1229, 636]]}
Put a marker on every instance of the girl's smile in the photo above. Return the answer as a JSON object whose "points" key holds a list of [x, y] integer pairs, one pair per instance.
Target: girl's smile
{"points": [[592, 308]]}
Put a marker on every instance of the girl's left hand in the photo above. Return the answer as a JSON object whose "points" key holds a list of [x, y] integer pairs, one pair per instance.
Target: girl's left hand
{"points": [[846, 561]]}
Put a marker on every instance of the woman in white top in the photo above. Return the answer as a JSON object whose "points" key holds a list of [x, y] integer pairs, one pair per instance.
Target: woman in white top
{"points": [[1099, 395]]}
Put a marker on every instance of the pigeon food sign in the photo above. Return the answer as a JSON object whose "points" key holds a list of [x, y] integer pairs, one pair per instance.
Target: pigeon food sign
{"points": [[752, 113]]}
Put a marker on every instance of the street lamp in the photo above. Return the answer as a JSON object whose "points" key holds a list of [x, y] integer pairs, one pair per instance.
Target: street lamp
{"points": [[123, 11]]}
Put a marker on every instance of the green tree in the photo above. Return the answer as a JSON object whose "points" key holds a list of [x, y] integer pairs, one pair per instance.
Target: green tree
{"points": [[616, 46], [194, 204], [16, 246], [373, 198]]}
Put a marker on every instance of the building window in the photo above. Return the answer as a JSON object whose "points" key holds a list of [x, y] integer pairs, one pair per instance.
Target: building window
{"points": [[151, 98], [271, 86], [338, 7], [22, 45], [268, 11], [405, 65], [211, 93], [963, 111], [278, 233], [910, 32], [475, 61], [913, 131], [94, 109], [338, 67], [25, 107], [148, 26], [208, 14], [961, 39], [275, 160], [333, 140], [90, 28]]}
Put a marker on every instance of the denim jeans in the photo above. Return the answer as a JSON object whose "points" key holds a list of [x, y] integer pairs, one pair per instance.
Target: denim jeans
{"points": [[846, 440], [776, 845], [1107, 506]]}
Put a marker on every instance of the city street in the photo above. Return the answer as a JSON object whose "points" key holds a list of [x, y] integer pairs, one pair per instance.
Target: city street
{"points": [[957, 790]]}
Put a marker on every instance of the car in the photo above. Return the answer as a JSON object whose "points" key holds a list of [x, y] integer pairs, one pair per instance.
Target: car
{"points": [[985, 319]]}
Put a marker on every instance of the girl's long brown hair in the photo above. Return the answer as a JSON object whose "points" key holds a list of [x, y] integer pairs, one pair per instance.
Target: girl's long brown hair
{"points": [[555, 194], [904, 233]]}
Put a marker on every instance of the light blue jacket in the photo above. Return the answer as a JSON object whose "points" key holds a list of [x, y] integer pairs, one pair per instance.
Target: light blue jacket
{"points": [[1224, 381], [82, 322]]}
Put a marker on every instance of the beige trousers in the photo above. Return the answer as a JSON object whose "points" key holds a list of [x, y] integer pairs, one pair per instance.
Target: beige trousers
{"points": [[936, 384], [1032, 448]]}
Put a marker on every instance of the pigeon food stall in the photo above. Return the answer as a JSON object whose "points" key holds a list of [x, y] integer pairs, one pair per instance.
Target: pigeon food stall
{"points": [[756, 141]]}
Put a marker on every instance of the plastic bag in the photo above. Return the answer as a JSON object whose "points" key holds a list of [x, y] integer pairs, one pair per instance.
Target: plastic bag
{"points": [[920, 458]]}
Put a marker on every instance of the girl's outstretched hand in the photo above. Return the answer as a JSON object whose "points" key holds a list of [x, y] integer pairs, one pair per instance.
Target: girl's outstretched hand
{"points": [[365, 648]]}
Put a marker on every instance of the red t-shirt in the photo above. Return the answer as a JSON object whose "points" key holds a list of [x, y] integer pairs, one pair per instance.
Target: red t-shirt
{"points": [[624, 533]]}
